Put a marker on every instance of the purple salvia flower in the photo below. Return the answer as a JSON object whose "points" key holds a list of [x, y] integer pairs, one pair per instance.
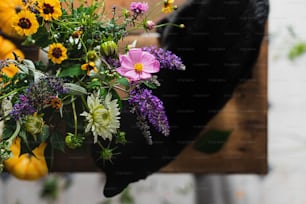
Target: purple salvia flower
{"points": [[57, 85], [166, 58], [22, 108], [139, 7], [150, 107], [37, 96], [144, 128]]}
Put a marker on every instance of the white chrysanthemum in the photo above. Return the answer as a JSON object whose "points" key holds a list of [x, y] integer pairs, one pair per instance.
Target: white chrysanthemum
{"points": [[103, 116]]}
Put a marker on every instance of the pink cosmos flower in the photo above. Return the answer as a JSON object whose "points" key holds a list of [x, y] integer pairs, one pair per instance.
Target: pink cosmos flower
{"points": [[138, 7], [137, 65]]}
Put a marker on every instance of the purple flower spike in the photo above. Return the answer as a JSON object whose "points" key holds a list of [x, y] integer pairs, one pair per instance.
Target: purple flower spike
{"points": [[22, 108], [166, 58], [148, 106]]}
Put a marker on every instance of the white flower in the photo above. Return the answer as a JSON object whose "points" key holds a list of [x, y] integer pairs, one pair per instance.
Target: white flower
{"points": [[103, 116]]}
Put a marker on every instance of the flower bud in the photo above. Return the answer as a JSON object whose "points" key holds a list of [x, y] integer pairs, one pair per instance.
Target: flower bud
{"points": [[127, 13], [92, 55], [106, 154], [72, 141], [109, 48], [34, 124], [149, 25], [120, 138]]}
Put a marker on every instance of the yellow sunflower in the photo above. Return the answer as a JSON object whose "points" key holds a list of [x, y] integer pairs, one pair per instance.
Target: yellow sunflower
{"points": [[57, 53], [50, 9], [10, 71], [168, 6], [8, 9], [25, 23], [90, 66]]}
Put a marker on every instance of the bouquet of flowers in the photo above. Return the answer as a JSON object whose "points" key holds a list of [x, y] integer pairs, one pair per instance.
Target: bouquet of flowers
{"points": [[76, 96]]}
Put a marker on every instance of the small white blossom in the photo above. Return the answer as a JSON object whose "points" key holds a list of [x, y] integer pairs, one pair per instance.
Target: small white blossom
{"points": [[103, 116]]}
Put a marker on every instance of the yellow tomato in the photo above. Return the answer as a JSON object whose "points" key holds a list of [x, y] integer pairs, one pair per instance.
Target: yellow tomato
{"points": [[27, 166]]}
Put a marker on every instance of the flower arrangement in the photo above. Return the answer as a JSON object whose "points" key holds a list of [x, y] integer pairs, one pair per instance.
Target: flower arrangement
{"points": [[77, 96]]}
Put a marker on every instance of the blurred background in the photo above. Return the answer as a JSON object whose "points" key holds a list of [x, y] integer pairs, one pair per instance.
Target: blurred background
{"points": [[285, 181]]}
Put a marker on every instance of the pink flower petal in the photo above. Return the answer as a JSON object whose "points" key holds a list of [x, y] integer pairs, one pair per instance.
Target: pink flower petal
{"points": [[132, 75], [151, 67], [147, 56], [122, 71], [126, 62], [145, 75], [136, 55]]}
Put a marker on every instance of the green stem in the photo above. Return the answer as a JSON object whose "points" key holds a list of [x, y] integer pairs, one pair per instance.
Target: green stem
{"points": [[12, 92], [84, 102], [169, 24], [74, 116], [14, 135]]}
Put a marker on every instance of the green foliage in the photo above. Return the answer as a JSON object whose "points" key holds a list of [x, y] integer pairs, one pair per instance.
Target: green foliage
{"points": [[73, 70], [53, 185], [50, 188], [8, 130], [212, 141], [126, 197], [41, 38], [57, 140], [150, 85], [297, 50], [123, 82]]}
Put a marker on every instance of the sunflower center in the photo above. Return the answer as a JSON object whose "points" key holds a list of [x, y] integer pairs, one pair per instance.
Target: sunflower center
{"points": [[48, 9], [24, 23], [57, 52], [138, 67], [90, 66]]}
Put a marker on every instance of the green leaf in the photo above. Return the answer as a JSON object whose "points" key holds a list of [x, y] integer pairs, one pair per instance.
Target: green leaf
{"points": [[75, 89], [150, 85], [57, 141], [50, 188], [7, 132], [126, 197], [212, 141], [94, 84], [297, 50], [41, 37], [44, 134], [124, 82], [27, 148], [72, 71]]}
